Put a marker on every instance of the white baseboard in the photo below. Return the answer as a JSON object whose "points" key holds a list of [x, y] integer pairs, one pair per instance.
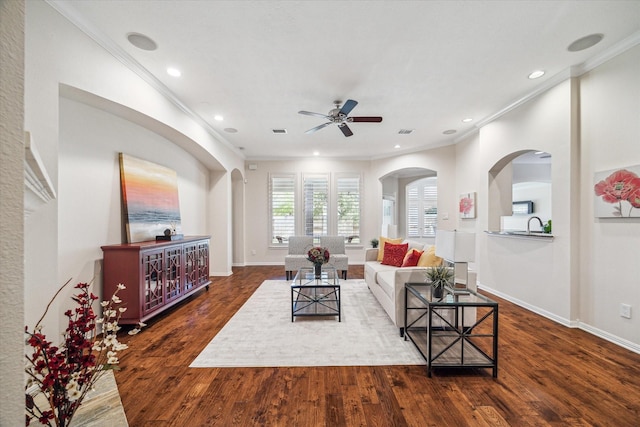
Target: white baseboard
{"points": [[566, 322]]}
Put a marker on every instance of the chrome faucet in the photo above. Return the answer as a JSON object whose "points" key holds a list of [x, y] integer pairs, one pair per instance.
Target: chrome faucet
{"points": [[529, 223]]}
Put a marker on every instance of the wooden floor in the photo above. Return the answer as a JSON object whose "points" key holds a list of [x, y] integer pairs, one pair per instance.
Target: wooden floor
{"points": [[548, 375]]}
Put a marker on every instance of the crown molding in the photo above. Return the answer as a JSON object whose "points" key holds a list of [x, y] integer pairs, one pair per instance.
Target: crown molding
{"points": [[575, 71], [71, 14], [36, 178]]}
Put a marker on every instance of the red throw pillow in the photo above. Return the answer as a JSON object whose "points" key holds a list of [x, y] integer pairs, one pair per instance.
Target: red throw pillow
{"points": [[394, 254], [412, 258]]}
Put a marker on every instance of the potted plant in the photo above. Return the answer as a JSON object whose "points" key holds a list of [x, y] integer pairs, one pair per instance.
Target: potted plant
{"points": [[374, 243], [439, 277]]}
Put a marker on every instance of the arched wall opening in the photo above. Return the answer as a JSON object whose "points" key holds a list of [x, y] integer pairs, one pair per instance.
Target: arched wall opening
{"points": [[394, 199], [519, 189]]}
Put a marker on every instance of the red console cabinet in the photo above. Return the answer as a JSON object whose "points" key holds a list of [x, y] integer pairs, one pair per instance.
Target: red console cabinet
{"points": [[157, 274]]}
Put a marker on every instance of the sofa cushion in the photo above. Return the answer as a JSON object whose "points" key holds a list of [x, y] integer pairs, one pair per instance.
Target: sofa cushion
{"points": [[383, 240], [386, 281], [411, 258], [429, 258], [394, 253]]}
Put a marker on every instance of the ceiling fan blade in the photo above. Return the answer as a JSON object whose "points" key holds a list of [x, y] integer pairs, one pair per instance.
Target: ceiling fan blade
{"points": [[365, 119], [312, 130], [345, 130], [348, 106], [309, 113]]}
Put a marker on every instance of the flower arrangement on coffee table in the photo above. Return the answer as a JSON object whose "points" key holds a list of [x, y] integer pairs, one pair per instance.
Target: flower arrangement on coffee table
{"points": [[64, 374], [318, 256]]}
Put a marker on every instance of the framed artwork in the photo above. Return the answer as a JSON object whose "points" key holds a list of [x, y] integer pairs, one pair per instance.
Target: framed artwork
{"points": [[467, 205], [149, 198], [617, 193]]}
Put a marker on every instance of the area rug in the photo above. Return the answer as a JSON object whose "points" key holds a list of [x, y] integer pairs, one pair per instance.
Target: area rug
{"points": [[261, 334]]}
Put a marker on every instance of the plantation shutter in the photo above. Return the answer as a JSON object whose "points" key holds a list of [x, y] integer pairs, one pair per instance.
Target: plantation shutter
{"points": [[348, 204], [422, 207], [430, 208], [282, 207], [315, 201], [413, 205]]}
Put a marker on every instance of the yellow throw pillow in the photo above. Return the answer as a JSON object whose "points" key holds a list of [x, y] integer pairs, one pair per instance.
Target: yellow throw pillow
{"points": [[429, 258], [381, 246]]}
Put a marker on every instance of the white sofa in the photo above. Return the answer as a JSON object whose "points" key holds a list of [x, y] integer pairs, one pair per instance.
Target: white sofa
{"points": [[387, 283]]}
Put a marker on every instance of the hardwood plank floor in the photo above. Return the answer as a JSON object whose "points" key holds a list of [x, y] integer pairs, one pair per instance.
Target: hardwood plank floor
{"points": [[548, 375]]}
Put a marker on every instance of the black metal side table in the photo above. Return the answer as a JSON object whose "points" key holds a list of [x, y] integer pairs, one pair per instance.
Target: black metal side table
{"points": [[458, 331]]}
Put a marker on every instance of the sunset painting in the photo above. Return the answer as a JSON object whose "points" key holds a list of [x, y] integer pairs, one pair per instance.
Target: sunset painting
{"points": [[150, 198]]}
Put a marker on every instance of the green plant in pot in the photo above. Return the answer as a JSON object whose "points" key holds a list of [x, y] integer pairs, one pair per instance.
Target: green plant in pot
{"points": [[439, 276], [374, 243]]}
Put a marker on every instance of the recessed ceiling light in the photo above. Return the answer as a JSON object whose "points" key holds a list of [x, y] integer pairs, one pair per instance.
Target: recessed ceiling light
{"points": [[585, 42], [218, 118], [539, 152], [141, 41], [231, 130], [467, 120], [396, 146], [449, 132], [316, 153], [174, 72], [536, 74]]}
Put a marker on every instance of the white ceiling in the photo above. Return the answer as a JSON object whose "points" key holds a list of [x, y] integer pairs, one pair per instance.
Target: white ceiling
{"points": [[421, 65]]}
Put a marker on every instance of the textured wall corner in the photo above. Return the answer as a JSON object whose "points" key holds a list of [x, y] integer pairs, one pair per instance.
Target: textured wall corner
{"points": [[12, 21]]}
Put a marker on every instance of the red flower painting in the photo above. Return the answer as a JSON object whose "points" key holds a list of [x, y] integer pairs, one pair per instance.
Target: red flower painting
{"points": [[619, 187], [466, 207]]}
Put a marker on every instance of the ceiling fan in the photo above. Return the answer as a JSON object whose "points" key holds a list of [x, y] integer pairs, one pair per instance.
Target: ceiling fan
{"points": [[340, 116]]}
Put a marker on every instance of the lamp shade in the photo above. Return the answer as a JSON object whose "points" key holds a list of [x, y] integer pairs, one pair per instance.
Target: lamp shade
{"points": [[456, 246]]}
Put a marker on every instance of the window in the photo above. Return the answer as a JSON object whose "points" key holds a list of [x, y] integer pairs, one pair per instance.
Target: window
{"points": [[323, 205], [422, 207], [315, 205], [282, 207], [348, 204]]}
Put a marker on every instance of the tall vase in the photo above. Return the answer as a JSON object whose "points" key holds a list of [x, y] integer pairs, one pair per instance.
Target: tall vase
{"points": [[318, 270]]}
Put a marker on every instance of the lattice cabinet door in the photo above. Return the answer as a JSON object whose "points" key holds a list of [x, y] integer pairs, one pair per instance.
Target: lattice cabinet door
{"points": [[153, 276], [203, 263], [174, 274], [190, 265]]}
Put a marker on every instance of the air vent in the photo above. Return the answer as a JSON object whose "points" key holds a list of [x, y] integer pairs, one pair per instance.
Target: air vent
{"points": [[405, 131], [279, 130]]}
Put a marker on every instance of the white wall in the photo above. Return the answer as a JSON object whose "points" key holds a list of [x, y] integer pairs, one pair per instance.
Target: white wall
{"points": [[535, 273], [11, 206], [61, 58], [89, 186], [610, 259]]}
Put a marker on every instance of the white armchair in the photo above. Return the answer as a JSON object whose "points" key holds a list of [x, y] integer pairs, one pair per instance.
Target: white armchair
{"points": [[297, 256], [337, 254]]}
